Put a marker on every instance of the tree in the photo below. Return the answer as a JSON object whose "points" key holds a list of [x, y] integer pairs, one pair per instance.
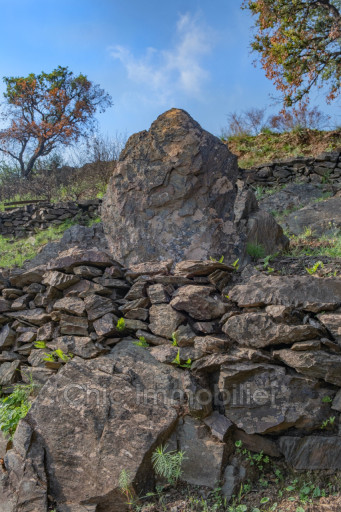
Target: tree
{"points": [[300, 45], [46, 111]]}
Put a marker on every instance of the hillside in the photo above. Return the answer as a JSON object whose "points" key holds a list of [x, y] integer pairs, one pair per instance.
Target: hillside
{"points": [[266, 147]]}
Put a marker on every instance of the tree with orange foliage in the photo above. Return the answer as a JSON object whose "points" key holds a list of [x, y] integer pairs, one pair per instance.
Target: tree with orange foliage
{"points": [[45, 111], [300, 45]]}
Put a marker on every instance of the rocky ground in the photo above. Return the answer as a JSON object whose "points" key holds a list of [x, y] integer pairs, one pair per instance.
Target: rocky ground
{"points": [[236, 366]]}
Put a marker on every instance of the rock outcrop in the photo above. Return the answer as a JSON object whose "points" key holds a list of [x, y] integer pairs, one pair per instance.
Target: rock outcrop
{"points": [[174, 195]]}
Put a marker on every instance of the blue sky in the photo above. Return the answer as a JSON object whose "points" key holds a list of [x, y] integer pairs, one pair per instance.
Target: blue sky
{"points": [[149, 55]]}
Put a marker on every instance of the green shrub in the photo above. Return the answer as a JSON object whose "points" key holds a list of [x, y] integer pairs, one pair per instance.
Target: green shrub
{"points": [[256, 251], [14, 407], [168, 464]]}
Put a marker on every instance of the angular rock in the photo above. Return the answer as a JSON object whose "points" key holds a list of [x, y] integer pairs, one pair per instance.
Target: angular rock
{"points": [[157, 294], [138, 314], [106, 325], [74, 325], [307, 292], [149, 268], [84, 288], [258, 330], [312, 452], [156, 207], [7, 337], [87, 271], [24, 278], [37, 374], [306, 345], [191, 268], [26, 337], [203, 463], [46, 332], [9, 373], [207, 327], [317, 364], [200, 302], [71, 305], [151, 338], [144, 302], [332, 321], [97, 435], [4, 305], [81, 346], [164, 320], [213, 362], [234, 476], [97, 306], [185, 336], [137, 291], [212, 344], [263, 398], [59, 280], [32, 316], [73, 257], [218, 424]]}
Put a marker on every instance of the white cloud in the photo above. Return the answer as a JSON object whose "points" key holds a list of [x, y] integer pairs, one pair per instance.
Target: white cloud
{"points": [[177, 69]]}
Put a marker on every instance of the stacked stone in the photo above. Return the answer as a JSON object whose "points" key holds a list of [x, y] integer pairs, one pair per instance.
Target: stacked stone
{"points": [[25, 221], [325, 168], [234, 356]]}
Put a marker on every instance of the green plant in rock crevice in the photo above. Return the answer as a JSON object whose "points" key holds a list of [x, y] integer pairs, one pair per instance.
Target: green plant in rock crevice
{"points": [[177, 361], [14, 407], [121, 324], [255, 250], [167, 464]]}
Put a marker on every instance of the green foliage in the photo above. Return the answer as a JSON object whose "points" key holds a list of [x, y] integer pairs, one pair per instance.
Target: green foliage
{"points": [[174, 340], [330, 422], [167, 464], [121, 324], [255, 251], [57, 355], [299, 45], [235, 264], [141, 342], [254, 459], [15, 252], [40, 344], [45, 111], [326, 400], [177, 361], [315, 267], [124, 483], [14, 407], [221, 259]]}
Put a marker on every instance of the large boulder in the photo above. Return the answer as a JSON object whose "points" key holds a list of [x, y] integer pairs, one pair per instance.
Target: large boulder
{"points": [[91, 421], [174, 195]]}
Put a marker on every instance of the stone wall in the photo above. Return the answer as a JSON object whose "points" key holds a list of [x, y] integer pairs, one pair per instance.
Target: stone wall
{"points": [[325, 168], [25, 221], [277, 337]]}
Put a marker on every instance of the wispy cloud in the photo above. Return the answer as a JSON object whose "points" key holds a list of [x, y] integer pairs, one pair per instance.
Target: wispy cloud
{"points": [[174, 70]]}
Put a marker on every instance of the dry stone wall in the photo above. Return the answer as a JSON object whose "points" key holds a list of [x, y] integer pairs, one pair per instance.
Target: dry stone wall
{"points": [[255, 357], [326, 168], [25, 221]]}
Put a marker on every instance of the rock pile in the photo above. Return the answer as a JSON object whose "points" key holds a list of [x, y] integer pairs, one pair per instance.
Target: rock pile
{"points": [[325, 168], [231, 356], [25, 221], [175, 194]]}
